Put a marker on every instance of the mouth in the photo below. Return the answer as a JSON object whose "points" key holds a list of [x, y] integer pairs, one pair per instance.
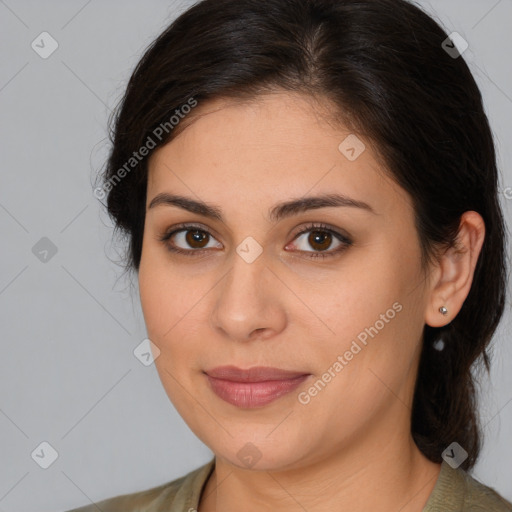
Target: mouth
{"points": [[254, 387]]}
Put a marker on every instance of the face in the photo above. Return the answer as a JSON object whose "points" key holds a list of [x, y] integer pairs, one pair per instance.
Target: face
{"points": [[332, 292]]}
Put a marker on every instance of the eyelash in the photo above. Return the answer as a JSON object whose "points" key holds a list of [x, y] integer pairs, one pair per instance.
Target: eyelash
{"points": [[346, 242]]}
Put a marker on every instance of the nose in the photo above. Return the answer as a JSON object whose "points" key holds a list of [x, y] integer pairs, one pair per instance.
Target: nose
{"points": [[249, 302]]}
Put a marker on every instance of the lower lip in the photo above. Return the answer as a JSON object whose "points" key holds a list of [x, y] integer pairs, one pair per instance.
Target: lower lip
{"points": [[253, 394]]}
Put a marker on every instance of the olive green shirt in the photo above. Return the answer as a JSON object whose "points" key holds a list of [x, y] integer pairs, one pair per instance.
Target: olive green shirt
{"points": [[455, 491]]}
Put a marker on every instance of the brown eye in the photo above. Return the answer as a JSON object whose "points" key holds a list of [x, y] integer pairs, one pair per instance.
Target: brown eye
{"points": [[196, 238], [191, 240], [187, 239], [320, 240]]}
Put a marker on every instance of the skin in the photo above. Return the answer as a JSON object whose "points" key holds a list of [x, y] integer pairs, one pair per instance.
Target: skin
{"points": [[350, 447]]}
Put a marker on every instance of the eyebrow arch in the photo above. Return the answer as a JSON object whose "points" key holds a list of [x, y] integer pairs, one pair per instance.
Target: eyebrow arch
{"points": [[276, 213]]}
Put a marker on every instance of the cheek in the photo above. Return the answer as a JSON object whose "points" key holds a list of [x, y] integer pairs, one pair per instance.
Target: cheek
{"points": [[162, 294], [165, 315], [372, 317], [352, 299], [173, 313], [364, 369]]}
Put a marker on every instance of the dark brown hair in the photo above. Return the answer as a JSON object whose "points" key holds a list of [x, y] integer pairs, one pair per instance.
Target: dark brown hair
{"points": [[383, 65]]}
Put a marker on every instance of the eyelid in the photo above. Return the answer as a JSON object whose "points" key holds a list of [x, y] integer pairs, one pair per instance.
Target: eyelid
{"points": [[190, 226], [321, 226]]}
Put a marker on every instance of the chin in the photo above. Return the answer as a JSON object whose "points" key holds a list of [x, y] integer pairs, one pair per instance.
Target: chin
{"points": [[261, 453]]}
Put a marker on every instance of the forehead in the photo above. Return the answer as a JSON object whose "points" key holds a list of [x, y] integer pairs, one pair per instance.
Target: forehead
{"points": [[270, 148]]}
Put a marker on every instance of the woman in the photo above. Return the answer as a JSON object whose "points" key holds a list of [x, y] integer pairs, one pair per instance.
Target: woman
{"points": [[309, 189]]}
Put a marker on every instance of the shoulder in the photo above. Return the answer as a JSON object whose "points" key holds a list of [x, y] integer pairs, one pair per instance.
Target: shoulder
{"points": [[481, 498], [175, 494], [136, 501], [457, 491]]}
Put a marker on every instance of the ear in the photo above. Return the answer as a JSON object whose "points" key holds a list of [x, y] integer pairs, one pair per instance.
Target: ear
{"points": [[454, 274]]}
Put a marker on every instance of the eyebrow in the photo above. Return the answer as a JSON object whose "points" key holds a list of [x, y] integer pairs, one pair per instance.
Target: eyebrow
{"points": [[276, 213]]}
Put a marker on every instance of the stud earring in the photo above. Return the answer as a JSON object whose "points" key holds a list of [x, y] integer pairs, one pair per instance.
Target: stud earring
{"points": [[443, 310]]}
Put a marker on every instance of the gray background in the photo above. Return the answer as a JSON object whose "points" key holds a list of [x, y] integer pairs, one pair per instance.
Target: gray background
{"points": [[68, 375]]}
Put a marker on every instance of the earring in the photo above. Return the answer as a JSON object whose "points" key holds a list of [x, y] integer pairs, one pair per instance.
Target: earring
{"points": [[443, 310]]}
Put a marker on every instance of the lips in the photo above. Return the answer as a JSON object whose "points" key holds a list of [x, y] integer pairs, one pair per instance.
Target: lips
{"points": [[254, 387], [254, 374]]}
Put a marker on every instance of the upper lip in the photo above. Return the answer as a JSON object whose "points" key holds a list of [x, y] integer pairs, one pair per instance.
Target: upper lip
{"points": [[254, 374]]}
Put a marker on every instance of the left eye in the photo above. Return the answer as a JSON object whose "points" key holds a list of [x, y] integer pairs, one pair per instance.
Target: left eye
{"points": [[320, 240]]}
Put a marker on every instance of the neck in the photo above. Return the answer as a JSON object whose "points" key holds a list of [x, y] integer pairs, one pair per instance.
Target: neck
{"points": [[387, 474]]}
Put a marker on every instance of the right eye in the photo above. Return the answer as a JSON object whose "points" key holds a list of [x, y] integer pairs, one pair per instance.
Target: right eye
{"points": [[186, 234]]}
